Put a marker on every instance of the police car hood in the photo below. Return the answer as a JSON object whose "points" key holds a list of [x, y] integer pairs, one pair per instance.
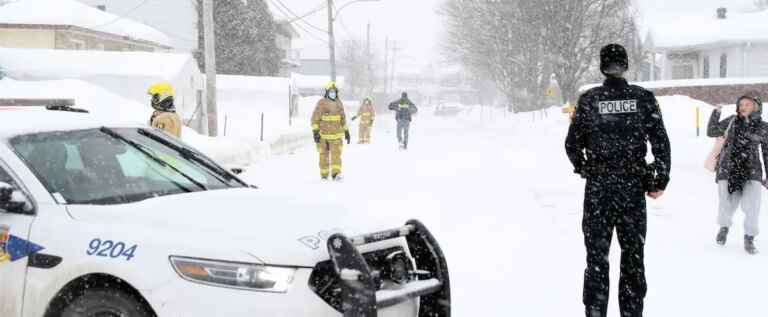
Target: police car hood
{"points": [[235, 224]]}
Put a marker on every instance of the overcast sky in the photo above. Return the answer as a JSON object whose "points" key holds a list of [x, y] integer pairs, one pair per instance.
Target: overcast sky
{"points": [[413, 24], [416, 26]]}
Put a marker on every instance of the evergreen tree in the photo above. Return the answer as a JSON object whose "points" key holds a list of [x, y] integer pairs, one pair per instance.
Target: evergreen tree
{"points": [[245, 34]]}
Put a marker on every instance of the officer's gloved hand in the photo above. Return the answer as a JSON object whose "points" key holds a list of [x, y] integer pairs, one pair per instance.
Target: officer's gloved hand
{"points": [[581, 172], [658, 175], [347, 136], [316, 136]]}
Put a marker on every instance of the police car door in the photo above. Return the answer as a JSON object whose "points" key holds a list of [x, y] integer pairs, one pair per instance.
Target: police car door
{"points": [[14, 250]]}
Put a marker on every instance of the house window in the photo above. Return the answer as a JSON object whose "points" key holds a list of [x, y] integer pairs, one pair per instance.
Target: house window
{"points": [[682, 71], [705, 67], [723, 66], [78, 45]]}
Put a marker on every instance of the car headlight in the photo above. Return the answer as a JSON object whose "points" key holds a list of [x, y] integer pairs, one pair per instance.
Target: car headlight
{"points": [[254, 277]]}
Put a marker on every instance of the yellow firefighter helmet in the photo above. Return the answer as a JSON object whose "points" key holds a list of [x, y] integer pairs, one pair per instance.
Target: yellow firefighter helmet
{"points": [[162, 96]]}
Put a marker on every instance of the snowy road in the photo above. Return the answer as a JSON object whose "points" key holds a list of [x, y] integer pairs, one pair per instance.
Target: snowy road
{"points": [[500, 197]]}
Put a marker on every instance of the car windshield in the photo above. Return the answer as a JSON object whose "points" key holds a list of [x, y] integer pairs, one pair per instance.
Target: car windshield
{"points": [[116, 166]]}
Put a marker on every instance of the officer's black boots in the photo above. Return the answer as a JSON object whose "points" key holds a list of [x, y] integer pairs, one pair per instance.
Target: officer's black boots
{"points": [[722, 236], [749, 244]]}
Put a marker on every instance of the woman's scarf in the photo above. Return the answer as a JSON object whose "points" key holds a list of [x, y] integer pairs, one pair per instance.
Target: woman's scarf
{"points": [[739, 161]]}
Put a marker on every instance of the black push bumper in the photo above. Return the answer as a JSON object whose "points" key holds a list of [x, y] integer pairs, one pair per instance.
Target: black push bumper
{"points": [[352, 282]]}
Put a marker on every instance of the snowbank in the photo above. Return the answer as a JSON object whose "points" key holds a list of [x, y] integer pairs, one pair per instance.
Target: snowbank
{"points": [[243, 100], [128, 74], [93, 98], [227, 151], [74, 13], [254, 84], [77, 63]]}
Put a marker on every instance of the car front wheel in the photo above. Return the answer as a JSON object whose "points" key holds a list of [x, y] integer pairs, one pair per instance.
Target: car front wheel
{"points": [[105, 303]]}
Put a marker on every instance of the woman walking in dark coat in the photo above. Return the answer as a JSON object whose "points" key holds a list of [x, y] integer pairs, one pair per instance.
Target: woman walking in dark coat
{"points": [[740, 176]]}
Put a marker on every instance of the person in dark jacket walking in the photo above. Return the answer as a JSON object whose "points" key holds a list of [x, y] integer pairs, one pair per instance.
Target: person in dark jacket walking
{"points": [[404, 111], [607, 145], [740, 176]]}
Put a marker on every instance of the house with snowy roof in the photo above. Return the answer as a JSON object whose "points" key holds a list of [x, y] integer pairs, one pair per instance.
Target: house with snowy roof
{"points": [[72, 25], [723, 45], [287, 37]]}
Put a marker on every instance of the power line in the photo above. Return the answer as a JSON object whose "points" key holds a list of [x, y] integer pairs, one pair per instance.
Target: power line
{"points": [[179, 37], [131, 11], [299, 25], [313, 35], [350, 34], [293, 14], [312, 12]]}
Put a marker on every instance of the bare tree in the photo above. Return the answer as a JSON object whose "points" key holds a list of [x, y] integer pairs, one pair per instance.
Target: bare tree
{"points": [[498, 40], [361, 70], [577, 30], [519, 44]]}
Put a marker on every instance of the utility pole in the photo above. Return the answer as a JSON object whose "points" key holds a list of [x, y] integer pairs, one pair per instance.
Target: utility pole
{"points": [[210, 68], [371, 77], [386, 65], [394, 49], [331, 40], [368, 41]]}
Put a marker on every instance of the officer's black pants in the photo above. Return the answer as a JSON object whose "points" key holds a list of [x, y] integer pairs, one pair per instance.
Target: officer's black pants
{"points": [[614, 202]]}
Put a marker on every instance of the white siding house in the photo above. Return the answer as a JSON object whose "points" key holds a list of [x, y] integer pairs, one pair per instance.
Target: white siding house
{"points": [[69, 24], [723, 45]]}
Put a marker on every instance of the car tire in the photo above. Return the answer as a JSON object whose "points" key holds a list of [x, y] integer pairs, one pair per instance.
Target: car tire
{"points": [[105, 303]]}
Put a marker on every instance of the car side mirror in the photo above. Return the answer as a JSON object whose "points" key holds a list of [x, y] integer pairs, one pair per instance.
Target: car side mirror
{"points": [[13, 200]]}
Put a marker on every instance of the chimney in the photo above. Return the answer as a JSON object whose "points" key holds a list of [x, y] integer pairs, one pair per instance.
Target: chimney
{"points": [[102, 7], [722, 13]]}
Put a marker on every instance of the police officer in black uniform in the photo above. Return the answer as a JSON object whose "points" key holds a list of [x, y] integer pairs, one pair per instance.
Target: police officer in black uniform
{"points": [[607, 145]]}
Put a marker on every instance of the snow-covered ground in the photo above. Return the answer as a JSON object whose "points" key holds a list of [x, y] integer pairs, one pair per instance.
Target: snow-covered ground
{"points": [[499, 194]]}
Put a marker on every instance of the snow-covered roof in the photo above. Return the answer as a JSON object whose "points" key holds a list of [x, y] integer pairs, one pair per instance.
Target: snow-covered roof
{"points": [[43, 63], [315, 82], [102, 103], [106, 108], [77, 14], [253, 83], [704, 31]]}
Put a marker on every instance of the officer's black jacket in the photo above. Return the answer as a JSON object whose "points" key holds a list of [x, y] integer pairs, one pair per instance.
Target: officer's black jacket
{"points": [[610, 132]]}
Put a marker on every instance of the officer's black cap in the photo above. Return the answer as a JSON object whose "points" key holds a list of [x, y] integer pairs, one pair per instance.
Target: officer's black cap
{"points": [[613, 60]]}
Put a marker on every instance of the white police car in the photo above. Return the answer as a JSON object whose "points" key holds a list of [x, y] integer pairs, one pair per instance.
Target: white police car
{"points": [[99, 218]]}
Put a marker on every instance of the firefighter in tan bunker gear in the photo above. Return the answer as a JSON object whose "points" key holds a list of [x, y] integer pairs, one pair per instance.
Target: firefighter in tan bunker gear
{"points": [[165, 116], [329, 127], [367, 114]]}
